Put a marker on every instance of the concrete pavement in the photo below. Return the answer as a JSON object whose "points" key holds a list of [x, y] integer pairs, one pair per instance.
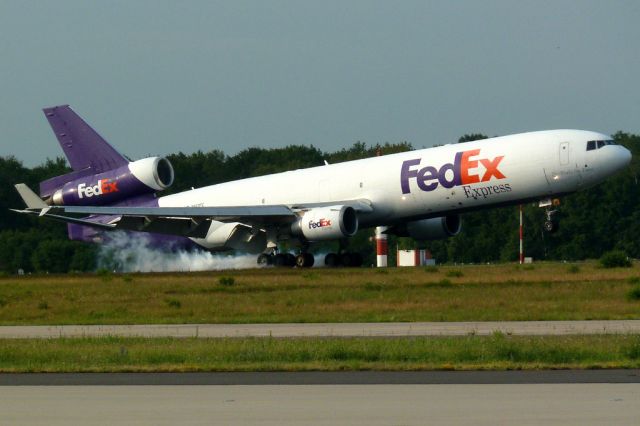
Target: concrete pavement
{"points": [[523, 328], [515, 404]]}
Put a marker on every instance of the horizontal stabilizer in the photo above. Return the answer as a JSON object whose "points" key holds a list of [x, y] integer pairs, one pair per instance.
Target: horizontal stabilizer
{"points": [[30, 198], [67, 219]]}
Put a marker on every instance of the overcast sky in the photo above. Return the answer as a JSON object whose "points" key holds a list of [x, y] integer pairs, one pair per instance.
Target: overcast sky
{"points": [[160, 77]]}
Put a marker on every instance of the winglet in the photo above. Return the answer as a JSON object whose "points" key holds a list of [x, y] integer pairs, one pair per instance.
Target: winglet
{"points": [[29, 197]]}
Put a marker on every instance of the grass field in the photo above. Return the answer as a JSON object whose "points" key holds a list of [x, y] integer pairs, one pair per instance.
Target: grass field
{"points": [[544, 291], [497, 352]]}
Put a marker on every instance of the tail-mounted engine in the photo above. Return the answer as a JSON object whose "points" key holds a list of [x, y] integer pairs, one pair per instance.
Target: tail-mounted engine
{"points": [[326, 223], [136, 178]]}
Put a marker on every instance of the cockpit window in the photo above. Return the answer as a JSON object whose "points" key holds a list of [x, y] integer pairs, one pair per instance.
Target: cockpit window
{"points": [[591, 145]]}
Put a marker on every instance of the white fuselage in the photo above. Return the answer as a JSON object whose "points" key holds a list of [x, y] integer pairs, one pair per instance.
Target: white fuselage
{"points": [[431, 182]]}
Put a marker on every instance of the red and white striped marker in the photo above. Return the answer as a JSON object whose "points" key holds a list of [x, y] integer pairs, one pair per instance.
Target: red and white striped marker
{"points": [[382, 247]]}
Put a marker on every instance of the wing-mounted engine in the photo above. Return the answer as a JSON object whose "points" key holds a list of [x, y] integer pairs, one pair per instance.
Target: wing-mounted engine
{"points": [[326, 223], [136, 178], [430, 229]]}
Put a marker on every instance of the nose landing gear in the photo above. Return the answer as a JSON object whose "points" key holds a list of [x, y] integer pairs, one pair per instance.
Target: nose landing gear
{"points": [[551, 223]]}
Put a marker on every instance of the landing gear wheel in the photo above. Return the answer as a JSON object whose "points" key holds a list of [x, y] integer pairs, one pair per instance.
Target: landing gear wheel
{"points": [[284, 259], [265, 259], [550, 226], [304, 260], [280, 260], [331, 259], [290, 260], [346, 259]]}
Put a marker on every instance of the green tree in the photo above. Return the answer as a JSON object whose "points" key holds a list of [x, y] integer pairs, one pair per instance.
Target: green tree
{"points": [[472, 137], [52, 256]]}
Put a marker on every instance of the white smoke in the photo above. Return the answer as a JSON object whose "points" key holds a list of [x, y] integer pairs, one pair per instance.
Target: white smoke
{"points": [[318, 260], [124, 252], [128, 253]]}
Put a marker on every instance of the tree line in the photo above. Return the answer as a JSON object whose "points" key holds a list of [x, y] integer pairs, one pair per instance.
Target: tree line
{"points": [[592, 221]]}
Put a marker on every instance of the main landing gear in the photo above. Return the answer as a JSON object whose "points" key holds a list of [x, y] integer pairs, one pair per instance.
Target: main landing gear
{"points": [[551, 224], [271, 256], [343, 257], [306, 260], [348, 259]]}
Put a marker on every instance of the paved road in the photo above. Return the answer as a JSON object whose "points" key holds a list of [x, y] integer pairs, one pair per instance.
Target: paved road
{"points": [[390, 329], [323, 378], [517, 404]]}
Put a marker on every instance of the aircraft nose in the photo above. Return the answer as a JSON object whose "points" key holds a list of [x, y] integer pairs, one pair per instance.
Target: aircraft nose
{"points": [[623, 156]]}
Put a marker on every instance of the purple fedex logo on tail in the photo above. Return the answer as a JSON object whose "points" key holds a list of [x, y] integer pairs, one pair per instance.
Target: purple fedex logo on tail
{"points": [[463, 171]]}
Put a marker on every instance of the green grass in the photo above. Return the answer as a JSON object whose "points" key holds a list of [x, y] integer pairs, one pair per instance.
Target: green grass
{"points": [[550, 291], [497, 352]]}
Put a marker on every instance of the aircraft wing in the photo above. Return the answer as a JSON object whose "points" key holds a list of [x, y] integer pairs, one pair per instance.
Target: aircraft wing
{"points": [[191, 222]]}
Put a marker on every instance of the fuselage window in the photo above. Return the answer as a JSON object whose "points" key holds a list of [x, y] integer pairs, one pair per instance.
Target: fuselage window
{"points": [[600, 144], [591, 145]]}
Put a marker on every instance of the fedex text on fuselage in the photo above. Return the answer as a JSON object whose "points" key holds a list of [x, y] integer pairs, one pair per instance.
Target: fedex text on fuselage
{"points": [[464, 170]]}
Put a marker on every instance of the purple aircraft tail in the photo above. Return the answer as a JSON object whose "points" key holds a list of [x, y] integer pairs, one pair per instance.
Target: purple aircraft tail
{"points": [[88, 153], [101, 175]]}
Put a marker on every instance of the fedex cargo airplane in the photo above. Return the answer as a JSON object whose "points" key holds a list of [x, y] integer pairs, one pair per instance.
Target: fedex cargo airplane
{"points": [[419, 194]]}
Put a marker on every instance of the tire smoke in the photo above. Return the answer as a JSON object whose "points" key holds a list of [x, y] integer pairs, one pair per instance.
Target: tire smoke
{"points": [[127, 253]]}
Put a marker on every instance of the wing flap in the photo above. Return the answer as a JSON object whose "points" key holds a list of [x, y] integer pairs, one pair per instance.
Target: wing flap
{"points": [[162, 225], [222, 214]]}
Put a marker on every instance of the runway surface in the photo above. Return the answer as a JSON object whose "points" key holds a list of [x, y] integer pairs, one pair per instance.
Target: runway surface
{"points": [[391, 329], [515, 404]]}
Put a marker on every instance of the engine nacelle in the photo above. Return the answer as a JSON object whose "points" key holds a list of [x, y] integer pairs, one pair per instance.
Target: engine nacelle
{"points": [[431, 229], [136, 178], [326, 223], [234, 235]]}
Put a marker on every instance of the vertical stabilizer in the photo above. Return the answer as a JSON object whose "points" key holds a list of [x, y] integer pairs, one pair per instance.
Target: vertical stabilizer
{"points": [[82, 145], [88, 153]]}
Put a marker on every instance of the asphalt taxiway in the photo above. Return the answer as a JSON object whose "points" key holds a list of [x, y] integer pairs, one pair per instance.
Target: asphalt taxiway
{"points": [[390, 329]]}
